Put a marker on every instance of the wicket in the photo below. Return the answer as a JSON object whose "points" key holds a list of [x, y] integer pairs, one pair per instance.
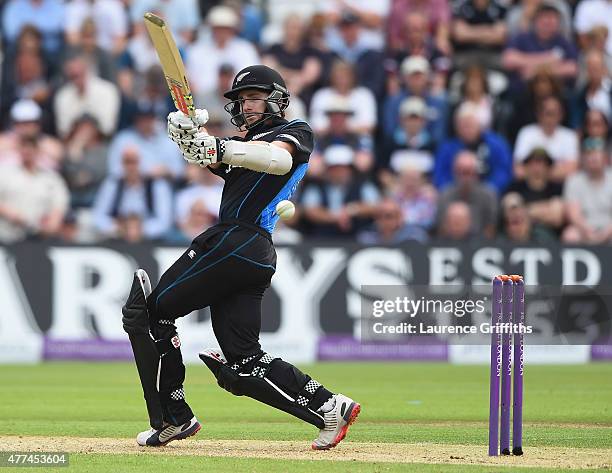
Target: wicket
{"points": [[508, 310]]}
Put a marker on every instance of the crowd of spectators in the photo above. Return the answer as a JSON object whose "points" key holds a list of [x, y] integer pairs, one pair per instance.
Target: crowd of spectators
{"points": [[441, 120]]}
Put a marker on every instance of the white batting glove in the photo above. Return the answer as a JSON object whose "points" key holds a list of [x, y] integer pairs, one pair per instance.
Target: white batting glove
{"points": [[181, 126], [202, 149]]}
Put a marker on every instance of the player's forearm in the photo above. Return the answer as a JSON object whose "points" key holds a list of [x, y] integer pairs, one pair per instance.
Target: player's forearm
{"points": [[259, 156]]}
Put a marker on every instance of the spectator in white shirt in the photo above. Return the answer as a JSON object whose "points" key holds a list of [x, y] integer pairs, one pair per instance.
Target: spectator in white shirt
{"points": [[85, 93], [560, 143], [361, 100], [26, 118], [588, 199], [221, 46], [591, 14], [33, 200]]}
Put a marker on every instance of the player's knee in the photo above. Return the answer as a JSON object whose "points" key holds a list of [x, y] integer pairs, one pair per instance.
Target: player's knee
{"points": [[135, 318]]}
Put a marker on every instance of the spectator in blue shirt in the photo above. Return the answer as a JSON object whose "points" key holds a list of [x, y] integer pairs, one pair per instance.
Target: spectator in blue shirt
{"points": [[492, 152], [133, 206], [160, 156], [46, 15], [545, 45], [415, 76]]}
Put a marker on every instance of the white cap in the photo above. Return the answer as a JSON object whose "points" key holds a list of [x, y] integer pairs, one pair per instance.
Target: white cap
{"points": [[222, 16], [413, 106], [25, 110], [338, 155], [414, 64]]}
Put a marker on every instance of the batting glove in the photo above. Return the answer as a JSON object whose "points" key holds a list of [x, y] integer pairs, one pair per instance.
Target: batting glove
{"points": [[202, 149], [182, 127]]}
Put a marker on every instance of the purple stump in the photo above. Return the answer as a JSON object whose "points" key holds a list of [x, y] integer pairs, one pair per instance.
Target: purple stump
{"points": [[517, 407], [496, 315], [506, 368]]}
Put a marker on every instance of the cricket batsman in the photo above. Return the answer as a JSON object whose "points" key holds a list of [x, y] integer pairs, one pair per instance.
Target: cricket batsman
{"points": [[228, 268]]}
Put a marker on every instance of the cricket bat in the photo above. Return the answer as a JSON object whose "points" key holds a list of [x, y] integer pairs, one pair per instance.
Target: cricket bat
{"points": [[171, 63]]}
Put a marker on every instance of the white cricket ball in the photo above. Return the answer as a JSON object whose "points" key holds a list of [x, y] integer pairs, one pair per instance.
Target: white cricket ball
{"points": [[285, 209]]}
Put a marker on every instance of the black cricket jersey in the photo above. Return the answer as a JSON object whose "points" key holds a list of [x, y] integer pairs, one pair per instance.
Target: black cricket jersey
{"points": [[251, 196]]}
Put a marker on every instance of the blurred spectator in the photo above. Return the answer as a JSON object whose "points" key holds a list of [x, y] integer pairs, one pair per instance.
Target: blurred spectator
{"points": [[596, 41], [340, 205], [438, 15], [493, 155], [520, 16], [389, 226], [543, 46], [100, 61], [596, 127], [588, 199], [590, 15], [133, 206], [33, 200], [46, 15], [339, 113], [83, 94], [26, 123], [560, 143], [201, 185], [110, 23], [411, 145], [183, 16], [597, 90], [214, 99], [222, 46], [371, 15], [541, 196], [352, 47], [151, 91], [24, 78], [342, 84], [197, 206], [197, 219], [518, 226], [467, 188], [455, 222], [294, 59], [138, 57], [417, 200], [85, 165], [415, 77], [475, 92], [418, 41], [159, 157], [478, 32], [542, 85]]}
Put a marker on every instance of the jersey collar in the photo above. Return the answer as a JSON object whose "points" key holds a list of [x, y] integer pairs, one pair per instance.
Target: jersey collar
{"points": [[265, 126]]}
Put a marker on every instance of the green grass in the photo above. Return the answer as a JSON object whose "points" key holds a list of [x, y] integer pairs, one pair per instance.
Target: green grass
{"points": [[100, 463], [565, 406]]}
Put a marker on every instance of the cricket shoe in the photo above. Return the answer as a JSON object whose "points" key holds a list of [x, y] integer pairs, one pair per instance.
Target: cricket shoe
{"points": [[213, 353], [337, 421], [168, 433]]}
